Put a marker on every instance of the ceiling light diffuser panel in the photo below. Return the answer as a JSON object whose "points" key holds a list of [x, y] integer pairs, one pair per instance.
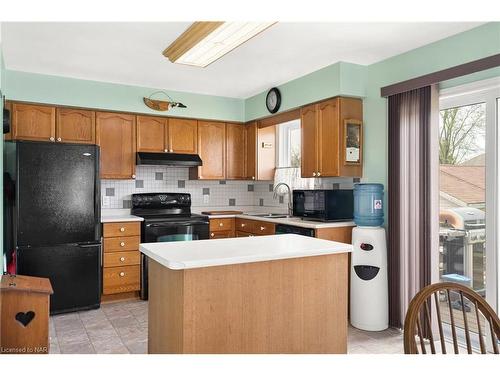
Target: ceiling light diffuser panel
{"points": [[205, 42]]}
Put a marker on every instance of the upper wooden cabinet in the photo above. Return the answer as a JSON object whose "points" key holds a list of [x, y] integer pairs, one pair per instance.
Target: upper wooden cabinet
{"points": [[116, 134], [161, 134], [323, 138], [251, 150], [51, 124], [309, 140], [151, 134], [183, 136], [33, 122], [260, 152], [235, 151], [212, 150], [75, 125], [266, 153], [328, 138]]}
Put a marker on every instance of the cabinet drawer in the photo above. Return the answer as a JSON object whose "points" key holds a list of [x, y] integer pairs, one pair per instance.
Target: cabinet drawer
{"points": [[245, 225], [121, 279], [122, 258], [112, 244], [217, 225], [121, 229], [263, 228], [221, 234], [244, 234]]}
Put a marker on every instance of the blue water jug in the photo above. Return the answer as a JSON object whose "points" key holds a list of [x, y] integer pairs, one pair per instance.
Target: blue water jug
{"points": [[369, 205]]}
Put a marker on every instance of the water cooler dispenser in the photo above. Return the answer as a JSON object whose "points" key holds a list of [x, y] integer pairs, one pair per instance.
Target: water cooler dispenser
{"points": [[369, 299]]}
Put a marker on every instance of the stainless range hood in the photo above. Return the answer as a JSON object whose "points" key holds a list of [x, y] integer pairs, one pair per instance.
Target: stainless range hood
{"points": [[168, 158]]}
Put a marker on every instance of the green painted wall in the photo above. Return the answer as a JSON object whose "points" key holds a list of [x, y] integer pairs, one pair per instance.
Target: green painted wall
{"points": [[338, 79], [471, 45], [479, 76], [102, 95]]}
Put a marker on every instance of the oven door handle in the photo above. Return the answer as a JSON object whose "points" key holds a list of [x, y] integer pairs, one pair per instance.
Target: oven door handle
{"points": [[178, 224]]}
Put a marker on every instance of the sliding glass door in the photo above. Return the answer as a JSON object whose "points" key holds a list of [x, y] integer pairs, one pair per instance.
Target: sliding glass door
{"points": [[468, 189]]}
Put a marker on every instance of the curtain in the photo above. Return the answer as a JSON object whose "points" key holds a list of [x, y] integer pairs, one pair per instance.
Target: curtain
{"points": [[411, 222]]}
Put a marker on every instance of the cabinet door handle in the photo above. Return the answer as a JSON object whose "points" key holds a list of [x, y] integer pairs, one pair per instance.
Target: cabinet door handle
{"points": [[212, 234], [262, 228], [122, 229], [319, 174], [122, 274], [253, 177], [171, 150], [221, 224], [243, 225], [314, 174], [133, 176], [122, 259], [166, 150], [51, 139], [59, 139], [122, 244]]}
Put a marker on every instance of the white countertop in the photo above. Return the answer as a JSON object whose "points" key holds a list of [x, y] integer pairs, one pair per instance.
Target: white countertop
{"points": [[207, 253], [298, 222], [295, 221], [118, 215]]}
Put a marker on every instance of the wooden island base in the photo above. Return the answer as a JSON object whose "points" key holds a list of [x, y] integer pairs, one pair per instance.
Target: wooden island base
{"points": [[281, 306]]}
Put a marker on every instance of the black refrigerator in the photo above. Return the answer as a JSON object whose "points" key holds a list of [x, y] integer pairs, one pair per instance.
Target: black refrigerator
{"points": [[54, 228]]}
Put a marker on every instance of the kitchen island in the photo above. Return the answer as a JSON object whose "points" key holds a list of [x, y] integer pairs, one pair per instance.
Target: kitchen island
{"points": [[266, 294]]}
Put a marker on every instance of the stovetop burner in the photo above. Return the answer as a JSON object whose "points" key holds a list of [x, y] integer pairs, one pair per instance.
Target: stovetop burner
{"points": [[164, 207]]}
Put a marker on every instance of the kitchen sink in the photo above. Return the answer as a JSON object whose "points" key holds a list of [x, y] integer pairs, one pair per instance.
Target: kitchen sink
{"points": [[271, 216]]}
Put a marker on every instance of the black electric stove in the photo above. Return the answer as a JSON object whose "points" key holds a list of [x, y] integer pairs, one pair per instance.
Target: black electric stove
{"points": [[167, 218]]}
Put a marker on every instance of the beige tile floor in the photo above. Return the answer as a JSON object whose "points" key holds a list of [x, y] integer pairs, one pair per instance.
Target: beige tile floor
{"points": [[122, 327]]}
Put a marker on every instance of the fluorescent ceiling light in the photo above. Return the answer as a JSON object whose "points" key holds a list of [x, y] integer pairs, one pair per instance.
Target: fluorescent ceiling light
{"points": [[204, 42]]}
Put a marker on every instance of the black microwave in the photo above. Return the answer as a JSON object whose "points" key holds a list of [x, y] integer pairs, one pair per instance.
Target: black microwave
{"points": [[324, 205]]}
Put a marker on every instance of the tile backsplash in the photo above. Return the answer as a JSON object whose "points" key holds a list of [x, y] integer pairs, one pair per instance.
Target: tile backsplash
{"points": [[153, 179]]}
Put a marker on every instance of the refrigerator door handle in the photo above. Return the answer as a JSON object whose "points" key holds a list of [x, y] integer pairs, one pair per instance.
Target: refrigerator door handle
{"points": [[89, 244]]}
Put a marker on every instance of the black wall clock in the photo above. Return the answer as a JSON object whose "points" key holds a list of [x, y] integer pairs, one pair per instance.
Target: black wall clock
{"points": [[273, 100]]}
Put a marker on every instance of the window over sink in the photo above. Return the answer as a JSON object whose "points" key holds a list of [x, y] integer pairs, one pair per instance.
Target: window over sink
{"points": [[289, 156]]}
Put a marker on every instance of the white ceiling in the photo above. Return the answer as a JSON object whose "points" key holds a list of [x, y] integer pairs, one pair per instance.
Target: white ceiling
{"points": [[131, 53]]}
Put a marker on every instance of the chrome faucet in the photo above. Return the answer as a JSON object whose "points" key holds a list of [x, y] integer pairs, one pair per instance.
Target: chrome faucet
{"points": [[275, 196]]}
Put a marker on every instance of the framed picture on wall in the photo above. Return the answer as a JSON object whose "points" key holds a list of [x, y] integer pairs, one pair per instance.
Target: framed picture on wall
{"points": [[353, 141]]}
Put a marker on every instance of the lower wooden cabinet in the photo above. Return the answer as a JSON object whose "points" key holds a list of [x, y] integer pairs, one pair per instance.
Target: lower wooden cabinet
{"points": [[221, 228], [123, 229], [121, 258], [240, 227], [239, 233], [221, 234], [121, 279], [338, 234], [254, 227], [122, 243]]}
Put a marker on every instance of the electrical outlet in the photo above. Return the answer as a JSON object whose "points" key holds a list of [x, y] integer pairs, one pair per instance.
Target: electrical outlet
{"points": [[106, 201], [206, 198]]}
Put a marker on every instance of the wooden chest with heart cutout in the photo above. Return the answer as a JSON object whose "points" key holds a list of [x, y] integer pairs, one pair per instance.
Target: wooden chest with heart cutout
{"points": [[24, 314]]}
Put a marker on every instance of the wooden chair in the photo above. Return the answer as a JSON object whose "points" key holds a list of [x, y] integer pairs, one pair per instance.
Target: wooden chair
{"points": [[473, 310]]}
